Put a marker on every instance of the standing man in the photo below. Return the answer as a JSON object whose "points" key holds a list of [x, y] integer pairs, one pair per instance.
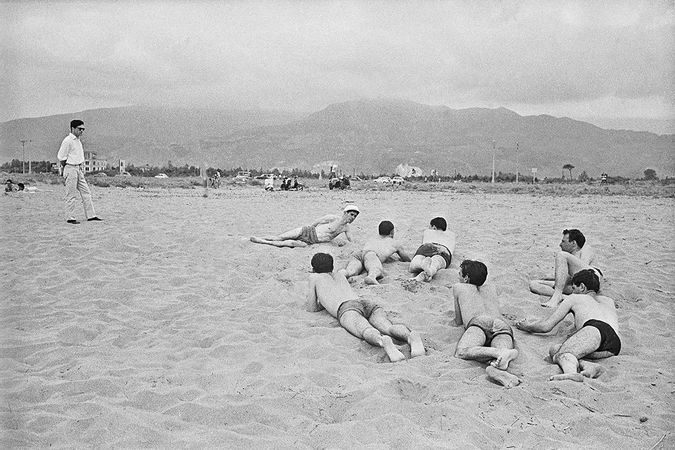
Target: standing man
{"points": [[574, 255], [71, 158]]}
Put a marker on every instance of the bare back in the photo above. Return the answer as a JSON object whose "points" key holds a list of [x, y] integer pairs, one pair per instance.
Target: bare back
{"points": [[592, 306], [329, 290], [587, 255], [384, 247], [445, 238], [471, 302]]}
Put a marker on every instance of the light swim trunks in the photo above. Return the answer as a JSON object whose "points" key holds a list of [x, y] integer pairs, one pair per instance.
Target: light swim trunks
{"points": [[359, 255], [609, 340], [430, 249], [308, 235], [491, 327], [364, 307]]}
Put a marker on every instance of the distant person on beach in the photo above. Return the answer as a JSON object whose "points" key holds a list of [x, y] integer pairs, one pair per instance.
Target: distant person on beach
{"points": [[269, 183], [71, 158], [324, 229], [10, 186], [487, 336], [360, 317], [375, 252], [435, 253], [596, 324], [575, 255]]}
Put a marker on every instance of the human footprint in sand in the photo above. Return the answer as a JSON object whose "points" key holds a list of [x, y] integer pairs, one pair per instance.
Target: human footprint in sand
{"points": [[375, 252], [597, 326], [324, 229], [487, 336], [435, 253], [575, 255], [362, 318]]}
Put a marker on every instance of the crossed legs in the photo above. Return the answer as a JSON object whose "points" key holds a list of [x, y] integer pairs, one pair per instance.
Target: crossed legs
{"points": [[286, 239], [500, 353], [426, 266], [377, 331], [582, 344], [371, 264]]}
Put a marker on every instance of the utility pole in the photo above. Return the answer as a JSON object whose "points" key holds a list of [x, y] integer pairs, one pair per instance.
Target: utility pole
{"points": [[493, 161], [516, 162], [23, 157]]}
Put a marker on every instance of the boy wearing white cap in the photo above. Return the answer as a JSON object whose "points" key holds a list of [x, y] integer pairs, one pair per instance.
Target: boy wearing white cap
{"points": [[322, 230]]}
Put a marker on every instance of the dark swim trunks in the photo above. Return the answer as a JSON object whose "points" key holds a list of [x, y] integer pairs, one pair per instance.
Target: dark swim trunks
{"points": [[491, 327], [430, 249], [609, 340], [364, 307], [308, 235]]}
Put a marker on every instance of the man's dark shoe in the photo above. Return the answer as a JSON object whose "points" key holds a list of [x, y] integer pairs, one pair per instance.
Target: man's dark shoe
{"points": [[93, 219], [73, 221]]}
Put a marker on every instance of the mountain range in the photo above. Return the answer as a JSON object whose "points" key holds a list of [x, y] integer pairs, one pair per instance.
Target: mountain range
{"points": [[364, 136]]}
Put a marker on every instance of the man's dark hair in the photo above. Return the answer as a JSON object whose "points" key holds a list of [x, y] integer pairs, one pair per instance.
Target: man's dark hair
{"points": [[76, 123], [385, 228], [439, 223], [475, 270], [322, 263], [576, 236], [589, 278]]}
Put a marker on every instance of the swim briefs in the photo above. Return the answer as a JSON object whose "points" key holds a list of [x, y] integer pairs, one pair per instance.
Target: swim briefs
{"points": [[431, 249], [609, 340], [491, 327], [364, 307], [360, 254], [308, 235]]}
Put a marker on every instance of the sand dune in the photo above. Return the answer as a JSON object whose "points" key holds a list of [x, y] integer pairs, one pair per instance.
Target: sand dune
{"points": [[163, 326]]}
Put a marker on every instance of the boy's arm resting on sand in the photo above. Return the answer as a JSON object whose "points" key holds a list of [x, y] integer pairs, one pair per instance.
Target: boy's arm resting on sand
{"points": [[546, 325], [458, 310], [348, 234], [312, 304], [403, 255], [325, 219]]}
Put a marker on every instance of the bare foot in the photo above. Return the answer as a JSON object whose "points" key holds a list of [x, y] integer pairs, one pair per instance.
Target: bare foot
{"points": [[370, 280], [502, 377], [553, 302], [567, 376], [591, 370], [503, 360], [416, 344], [390, 349]]}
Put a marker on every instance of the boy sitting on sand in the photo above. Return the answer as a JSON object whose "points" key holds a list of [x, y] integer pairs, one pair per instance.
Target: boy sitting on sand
{"points": [[375, 252], [597, 326], [436, 250], [487, 336], [362, 318]]}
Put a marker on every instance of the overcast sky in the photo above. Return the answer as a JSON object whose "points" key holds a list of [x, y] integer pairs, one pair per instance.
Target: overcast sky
{"points": [[611, 63]]}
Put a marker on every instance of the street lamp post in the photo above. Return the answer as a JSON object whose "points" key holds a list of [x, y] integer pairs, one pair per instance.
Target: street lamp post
{"points": [[517, 162], [23, 155], [493, 161]]}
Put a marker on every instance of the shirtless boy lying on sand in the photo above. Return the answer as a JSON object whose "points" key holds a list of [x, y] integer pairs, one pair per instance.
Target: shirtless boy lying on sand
{"points": [[574, 255], [436, 250], [362, 318], [375, 252], [324, 229], [597, 326], [487, 336]]}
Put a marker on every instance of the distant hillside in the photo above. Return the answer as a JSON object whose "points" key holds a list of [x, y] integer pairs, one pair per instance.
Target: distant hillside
{"points": [[138, 134], [369, 136]]}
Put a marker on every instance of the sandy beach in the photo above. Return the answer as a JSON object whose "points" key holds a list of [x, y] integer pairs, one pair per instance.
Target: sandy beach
{"points": [[164, 327]]}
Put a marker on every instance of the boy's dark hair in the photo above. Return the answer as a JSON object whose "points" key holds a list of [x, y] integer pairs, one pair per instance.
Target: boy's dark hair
{"points": [[576, 236], [589, 278], [439, 223], [76, 123], [385, 228], [475, 270], [322, 263]]}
